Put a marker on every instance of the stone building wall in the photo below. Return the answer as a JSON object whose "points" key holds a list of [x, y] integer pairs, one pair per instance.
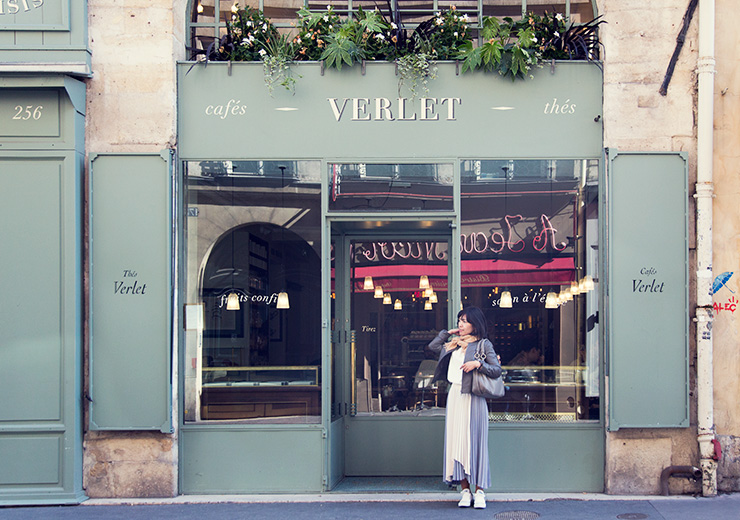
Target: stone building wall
{"points": [[726, 224], [639, 40], [131, 107]]}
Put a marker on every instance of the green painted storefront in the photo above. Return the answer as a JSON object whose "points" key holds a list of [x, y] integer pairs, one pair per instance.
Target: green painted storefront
{"points": [[227, 114]]}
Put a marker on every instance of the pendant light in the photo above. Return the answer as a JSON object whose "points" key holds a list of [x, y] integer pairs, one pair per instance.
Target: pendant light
{"points": [[397, 305], [378, 292], [433, 297], [427, 305], [574, 289], [368, 285], [588, 283], [506, 300], [551, 301], [387, 299], [428, 292], [232, 302], [423, 282], [283, 302]]}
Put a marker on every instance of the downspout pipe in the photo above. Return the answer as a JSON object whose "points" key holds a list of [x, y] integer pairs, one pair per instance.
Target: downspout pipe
{"points": [[704, 194]]}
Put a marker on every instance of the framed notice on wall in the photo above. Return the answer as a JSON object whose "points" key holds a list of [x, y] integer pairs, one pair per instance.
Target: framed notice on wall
{"points": [[130, 292]]}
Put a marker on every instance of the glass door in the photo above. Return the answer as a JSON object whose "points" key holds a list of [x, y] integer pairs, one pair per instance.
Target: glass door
{"points": [[397, 300]]}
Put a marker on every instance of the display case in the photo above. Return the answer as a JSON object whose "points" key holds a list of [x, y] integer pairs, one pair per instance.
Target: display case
{"points": [[232, 393], [541, 393]]}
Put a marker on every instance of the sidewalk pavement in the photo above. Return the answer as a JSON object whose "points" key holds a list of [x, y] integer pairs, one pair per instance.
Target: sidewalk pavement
{"points": [[379, 506]]}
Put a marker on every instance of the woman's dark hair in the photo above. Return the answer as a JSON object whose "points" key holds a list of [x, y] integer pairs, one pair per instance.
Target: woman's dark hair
{"points": [[477, 319]]}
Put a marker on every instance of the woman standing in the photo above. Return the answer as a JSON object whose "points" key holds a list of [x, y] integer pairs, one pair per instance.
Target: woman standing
{"points": [[466, 421]]}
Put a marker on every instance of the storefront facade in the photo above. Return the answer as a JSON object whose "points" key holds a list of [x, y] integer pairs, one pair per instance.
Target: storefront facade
{"points": [[366, 195], [286, 258]]}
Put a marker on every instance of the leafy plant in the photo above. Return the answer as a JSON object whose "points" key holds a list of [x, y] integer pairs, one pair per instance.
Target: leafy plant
{"points": [[312, 33], [276, 61], [247, 35], [506, 48], [415, 70]]}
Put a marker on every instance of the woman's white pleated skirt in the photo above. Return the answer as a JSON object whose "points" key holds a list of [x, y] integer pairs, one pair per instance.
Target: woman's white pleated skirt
{"points": [[466, 439]]}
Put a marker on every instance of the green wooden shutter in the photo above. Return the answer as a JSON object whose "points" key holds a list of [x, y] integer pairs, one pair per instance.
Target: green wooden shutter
{"points": [[648, 290], [131, 292]]}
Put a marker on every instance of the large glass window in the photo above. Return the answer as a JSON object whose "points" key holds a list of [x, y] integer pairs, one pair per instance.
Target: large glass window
{"points": [[253, 275], [529, 249]]}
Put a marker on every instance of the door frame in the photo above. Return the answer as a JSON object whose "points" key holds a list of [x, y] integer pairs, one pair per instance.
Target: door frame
{"points": [[345, 426]]}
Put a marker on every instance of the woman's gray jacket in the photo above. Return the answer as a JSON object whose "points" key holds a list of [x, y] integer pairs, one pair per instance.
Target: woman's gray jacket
{"points": [[489, 366]]}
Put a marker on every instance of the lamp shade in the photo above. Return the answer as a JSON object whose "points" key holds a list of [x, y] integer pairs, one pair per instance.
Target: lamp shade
{"points": [[283, 302], [368, 285], [427, 305], [378, 291], [574, 288], [428, 292], [506, 301], [232, 302], [387, 299], [588, 283], [423, 282], [551, 301], [397, 305], [433, 297]]}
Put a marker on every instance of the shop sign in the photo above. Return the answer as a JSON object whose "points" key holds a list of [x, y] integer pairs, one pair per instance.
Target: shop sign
{"points": [[128, 285], [341, 114], [34, 15]]}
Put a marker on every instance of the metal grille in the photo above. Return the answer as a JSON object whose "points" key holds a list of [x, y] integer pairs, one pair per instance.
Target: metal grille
{"points": [[516, 515], [532, 417]]}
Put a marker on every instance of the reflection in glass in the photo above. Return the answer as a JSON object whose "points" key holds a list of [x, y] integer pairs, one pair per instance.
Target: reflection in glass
{"points": [[388, 187], [529, 242], [392, 367], [252, 233]]}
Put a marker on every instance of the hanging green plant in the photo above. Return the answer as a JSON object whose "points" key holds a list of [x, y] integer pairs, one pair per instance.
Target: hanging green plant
{"points": [[276, 58], [414, 71]]}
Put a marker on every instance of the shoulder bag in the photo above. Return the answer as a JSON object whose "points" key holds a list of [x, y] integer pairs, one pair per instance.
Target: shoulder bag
{"points": [[484, 386]]}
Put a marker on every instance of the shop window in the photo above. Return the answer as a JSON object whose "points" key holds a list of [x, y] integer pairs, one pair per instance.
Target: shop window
{"points": [[208, 18], [398, 299], [389, 187], [253, 276], [529, 244]]}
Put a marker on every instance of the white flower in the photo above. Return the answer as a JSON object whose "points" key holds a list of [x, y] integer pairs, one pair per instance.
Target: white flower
{"points": [[557, 34], [233, 17], [249, 23], [264, 27], [559, 17], [534, 39], [263, 52], [326, 18], [393, 26], [455, 34], [234, 8], [380, 36], [328, 7], [465, 18], [439, 21]]}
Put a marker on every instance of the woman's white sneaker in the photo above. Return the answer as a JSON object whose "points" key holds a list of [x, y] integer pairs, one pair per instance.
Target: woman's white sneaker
{"points": [[467, 498], [480, 500]]}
